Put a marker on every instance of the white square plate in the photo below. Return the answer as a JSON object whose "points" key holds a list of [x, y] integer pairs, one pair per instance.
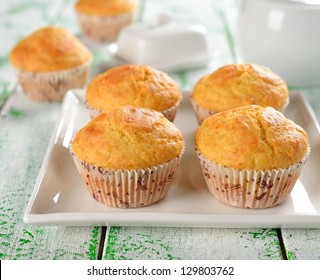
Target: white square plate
{"points": [[60, 198]]}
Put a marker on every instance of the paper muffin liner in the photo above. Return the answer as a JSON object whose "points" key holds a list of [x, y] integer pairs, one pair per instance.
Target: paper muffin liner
{"points": [[104, 28], [202, 113], [250, 188], [170, 113], [128, 188], [52, 86]]}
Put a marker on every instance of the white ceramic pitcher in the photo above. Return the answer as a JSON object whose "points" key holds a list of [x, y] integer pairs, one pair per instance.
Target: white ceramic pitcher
{"points": [[283, 35]]}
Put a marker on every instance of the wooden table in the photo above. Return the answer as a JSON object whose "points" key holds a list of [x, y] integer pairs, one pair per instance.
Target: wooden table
{"points": [[26, 127]]}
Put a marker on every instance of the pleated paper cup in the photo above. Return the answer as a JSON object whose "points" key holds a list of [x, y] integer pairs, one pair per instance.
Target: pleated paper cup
{"points": [[104, 28], [200, 112], [52, 86], [128, 188], [250, 188], [170, 113]]}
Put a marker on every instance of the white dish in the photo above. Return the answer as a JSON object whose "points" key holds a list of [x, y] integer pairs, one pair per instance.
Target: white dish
{"points": [[166, 44], [166, 65], [60, 197]]}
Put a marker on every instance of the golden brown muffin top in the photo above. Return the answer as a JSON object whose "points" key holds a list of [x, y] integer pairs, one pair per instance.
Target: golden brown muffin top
{"points": [[133, 84], [128, 138], [49, 49], [236, 85], [105, 7], [251, 137]]}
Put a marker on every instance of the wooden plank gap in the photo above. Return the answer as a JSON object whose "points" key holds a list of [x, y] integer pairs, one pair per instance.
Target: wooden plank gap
{"points": [[281, 244], [4, 98], [140, 12], [222, 11], [102, 241], [61, 7]]}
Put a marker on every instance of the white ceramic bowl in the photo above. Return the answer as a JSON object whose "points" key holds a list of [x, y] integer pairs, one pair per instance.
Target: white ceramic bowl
{"points": [[283, 35], [165, 44]]}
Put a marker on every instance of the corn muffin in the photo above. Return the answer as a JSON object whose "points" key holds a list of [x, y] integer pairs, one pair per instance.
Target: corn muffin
{"points": [[103, 19], [135, 85], [50, 61], [251, 156], [128, 157], [236, 85]]}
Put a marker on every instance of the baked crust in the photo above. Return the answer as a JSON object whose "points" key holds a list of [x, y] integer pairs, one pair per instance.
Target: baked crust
{"points": [[49, 49], [133, 84], [236, 85], [105, 7], [128, 138]]}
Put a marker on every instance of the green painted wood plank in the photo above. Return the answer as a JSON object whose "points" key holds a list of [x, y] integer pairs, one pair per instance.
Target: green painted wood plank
{"points": [[25, 130], [302, 244], [5, 90], [191, 243]]}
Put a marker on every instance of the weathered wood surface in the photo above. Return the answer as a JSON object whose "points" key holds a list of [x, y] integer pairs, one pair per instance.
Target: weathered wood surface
{"points": [[26, 127], [302, 244], [191, 244]]}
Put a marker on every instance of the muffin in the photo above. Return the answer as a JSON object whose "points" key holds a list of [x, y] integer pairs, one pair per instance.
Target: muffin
{"points": [[128, 157], [135, 85], [236, 85], [103, 19], [49, 62], [251, 156]]}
